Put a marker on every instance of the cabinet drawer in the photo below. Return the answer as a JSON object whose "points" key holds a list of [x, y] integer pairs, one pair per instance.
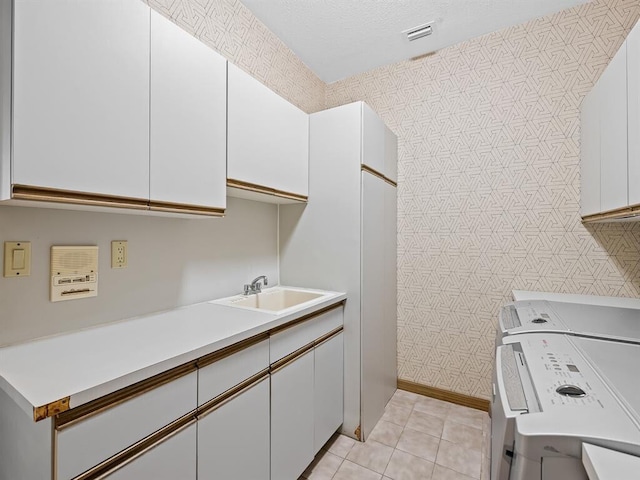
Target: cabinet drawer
{"points": [[81, 445], [291, 339], [172, 459], [229, 371]]}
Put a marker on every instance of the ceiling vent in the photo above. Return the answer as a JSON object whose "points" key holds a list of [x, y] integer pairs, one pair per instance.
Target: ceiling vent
{"points": [[418, 32]]}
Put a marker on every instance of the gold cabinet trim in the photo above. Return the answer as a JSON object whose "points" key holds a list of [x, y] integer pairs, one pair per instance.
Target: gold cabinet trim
{"points": [[617, 214], [41, 194], [120, 459], [325, 338], [82, 412], [231, 349], [376, 173], [225, 397], [54, 195], [284, 361], [253, 187], [51, 409], [310, 316], [155, 206]]}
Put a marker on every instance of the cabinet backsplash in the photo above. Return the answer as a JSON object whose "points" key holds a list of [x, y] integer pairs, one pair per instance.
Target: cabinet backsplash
{"points": [[172, 262]]}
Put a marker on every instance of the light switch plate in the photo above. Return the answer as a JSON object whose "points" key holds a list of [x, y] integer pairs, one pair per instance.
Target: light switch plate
{"points": [[119, 254], [17, 259]]}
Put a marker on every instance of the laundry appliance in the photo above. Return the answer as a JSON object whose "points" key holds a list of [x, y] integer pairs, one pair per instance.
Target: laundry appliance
{"points": [[554, 392], [596, 321]]}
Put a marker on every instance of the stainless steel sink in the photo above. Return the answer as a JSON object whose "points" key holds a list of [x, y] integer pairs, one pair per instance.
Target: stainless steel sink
{"points": [[273, 300]]}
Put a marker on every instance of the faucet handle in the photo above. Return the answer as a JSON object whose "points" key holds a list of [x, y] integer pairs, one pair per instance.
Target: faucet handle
{"points": [[265, 281], [247, 287]]}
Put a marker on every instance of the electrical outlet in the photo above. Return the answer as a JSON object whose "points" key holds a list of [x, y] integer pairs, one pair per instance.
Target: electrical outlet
{"points": [[119, 254]]}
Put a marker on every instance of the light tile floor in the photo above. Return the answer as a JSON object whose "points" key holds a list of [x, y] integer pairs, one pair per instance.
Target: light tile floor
{"points": [[417, 438]]}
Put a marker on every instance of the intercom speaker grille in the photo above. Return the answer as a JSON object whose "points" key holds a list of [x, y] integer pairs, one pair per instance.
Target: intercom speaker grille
{"points": [[65, 260]]}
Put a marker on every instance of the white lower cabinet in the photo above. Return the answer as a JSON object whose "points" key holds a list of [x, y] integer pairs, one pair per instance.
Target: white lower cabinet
{"points": [[172, 459], [233, 439], [328, 390], [81, 445], [292, 418], [231, 414]]}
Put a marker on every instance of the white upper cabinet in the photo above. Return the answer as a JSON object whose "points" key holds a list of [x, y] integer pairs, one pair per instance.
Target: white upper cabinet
{"points": [[373, 140], [188, 118], [590, 152], [268, 142], [379, 145], [81, 96], [613, 133], [610, 138], [390, 155], [633, 113]]}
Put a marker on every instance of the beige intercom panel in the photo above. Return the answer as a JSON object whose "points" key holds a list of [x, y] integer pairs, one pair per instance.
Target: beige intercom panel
{"points": [[74, 272]]}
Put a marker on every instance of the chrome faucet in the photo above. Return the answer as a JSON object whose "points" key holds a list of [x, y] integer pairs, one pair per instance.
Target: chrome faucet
{"points": [[255, 286]]}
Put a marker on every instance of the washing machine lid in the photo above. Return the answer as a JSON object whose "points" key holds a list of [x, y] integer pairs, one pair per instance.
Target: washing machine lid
{"points": [[618, 365], [613, 323], [531, 316]]}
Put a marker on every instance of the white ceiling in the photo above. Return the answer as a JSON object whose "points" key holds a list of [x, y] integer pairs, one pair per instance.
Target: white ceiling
{"points": [[340, 38]]}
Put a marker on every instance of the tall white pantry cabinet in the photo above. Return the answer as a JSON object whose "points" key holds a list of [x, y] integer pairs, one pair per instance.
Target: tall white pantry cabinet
{"points": [[345, 239]]}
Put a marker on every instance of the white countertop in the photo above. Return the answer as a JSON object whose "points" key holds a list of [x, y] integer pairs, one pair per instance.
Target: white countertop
{"points": [[624, 302], [604, 464], [88, 364]]}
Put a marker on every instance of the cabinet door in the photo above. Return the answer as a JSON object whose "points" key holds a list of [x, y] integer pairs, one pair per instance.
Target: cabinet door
{"points": [[590, 152], [328, 390], [172, 459], [268, 137], [376, 351], [389, 374], [233, 440], [82, 445], [292, 418], [390, 154], [373, 139], [633, 99], [188, 118], [613, 133], [81, 96]]}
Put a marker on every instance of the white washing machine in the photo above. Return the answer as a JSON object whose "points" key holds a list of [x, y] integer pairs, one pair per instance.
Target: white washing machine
{"points": [[552, 393], [596, 321]]}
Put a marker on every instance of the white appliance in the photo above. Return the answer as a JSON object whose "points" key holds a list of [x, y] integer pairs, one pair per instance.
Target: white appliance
{"points": [[555, 392], [345, 239], [596, 321]]}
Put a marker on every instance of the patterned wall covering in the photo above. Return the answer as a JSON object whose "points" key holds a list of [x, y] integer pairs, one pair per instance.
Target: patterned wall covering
{"points": [[489, 184], [232, 30]]}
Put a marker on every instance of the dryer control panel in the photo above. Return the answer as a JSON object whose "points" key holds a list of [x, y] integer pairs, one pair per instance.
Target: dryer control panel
{"points": [[529, 316], [561, 376]]}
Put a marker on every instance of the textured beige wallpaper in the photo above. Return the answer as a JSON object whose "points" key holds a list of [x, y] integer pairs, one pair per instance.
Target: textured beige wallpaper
{"points": [[489, 184], [232, 30]]}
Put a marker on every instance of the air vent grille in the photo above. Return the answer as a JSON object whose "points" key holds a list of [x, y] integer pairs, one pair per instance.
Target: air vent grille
{"points": [[418, 32]]}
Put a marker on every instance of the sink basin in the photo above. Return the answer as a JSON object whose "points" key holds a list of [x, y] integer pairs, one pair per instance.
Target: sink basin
{"points": [[272, 300]]}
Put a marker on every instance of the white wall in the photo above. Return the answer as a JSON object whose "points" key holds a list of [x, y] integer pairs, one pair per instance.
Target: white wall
{"points": [[489, 184], [172, 262]]}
